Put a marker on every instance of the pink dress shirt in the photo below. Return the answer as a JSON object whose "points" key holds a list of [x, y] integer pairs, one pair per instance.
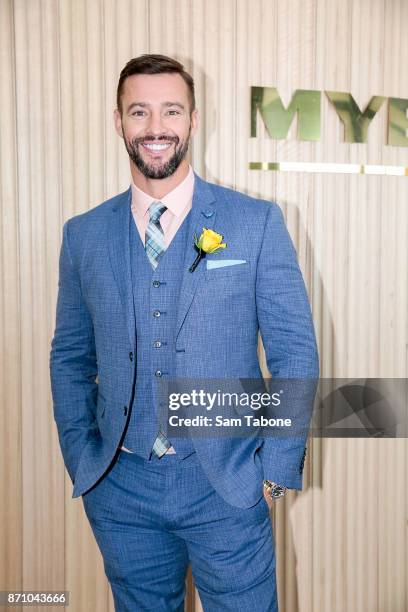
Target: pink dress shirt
{"points": [[178, 202]]}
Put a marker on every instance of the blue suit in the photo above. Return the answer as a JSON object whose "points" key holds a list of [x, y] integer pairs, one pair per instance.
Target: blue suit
{"points": [[214, 335]]}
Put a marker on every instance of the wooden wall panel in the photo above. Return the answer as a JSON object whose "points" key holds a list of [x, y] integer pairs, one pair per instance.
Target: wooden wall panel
{"points": [[342, 542], [11, 535]]}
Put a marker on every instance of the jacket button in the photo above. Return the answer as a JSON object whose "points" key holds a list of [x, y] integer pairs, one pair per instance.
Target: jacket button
{"points": [[156, 283], [157, 373], [131, 356], [125, 409], [157, 344], [156, 313]]}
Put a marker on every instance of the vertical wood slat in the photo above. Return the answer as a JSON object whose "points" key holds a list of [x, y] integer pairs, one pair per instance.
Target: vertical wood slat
{"points": [[341, 543], [11, 535]]}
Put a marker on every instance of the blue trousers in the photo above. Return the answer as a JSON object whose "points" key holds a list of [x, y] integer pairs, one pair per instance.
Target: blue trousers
{"points": [[152, 518]]}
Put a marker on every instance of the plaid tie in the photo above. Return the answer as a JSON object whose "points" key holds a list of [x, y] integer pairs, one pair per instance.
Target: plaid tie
{"points": [[154, 238], [155, 247]]}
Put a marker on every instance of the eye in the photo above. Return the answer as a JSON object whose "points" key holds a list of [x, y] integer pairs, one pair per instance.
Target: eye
{"points": [[174, 112], [137, 113]]}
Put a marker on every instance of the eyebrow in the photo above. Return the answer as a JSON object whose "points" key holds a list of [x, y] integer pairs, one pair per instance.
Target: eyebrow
{"points": [[146, 105]]}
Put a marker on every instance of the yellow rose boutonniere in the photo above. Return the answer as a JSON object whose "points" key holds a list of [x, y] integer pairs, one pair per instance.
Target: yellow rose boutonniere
{"points": [[208, 242]]}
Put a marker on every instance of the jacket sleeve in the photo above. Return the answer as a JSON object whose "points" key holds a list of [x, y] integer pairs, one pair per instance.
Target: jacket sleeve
{"points": [[73, 366], [286, 327]]}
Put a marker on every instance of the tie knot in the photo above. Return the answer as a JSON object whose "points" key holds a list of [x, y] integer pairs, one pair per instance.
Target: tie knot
{"points": [[156, 209]]}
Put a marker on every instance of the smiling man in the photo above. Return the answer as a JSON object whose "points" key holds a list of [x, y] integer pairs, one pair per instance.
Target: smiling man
{"points": [[154, 154], [131, 311]]}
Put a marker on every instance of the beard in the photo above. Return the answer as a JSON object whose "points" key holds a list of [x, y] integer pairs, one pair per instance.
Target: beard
{"points": [[163, 170]]}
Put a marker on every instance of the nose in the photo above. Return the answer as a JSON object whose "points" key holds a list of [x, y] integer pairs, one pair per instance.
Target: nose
{"points": [[155, 126]]}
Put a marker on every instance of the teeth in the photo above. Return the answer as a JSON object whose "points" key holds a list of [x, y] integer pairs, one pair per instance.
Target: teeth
{"points": [[157, 147]]}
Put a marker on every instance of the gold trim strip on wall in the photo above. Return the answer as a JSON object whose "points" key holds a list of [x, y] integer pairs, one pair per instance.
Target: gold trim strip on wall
{"points": [[329, 168]]}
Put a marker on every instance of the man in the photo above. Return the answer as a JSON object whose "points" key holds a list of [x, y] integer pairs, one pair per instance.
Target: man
{"points": [[131, 312]]}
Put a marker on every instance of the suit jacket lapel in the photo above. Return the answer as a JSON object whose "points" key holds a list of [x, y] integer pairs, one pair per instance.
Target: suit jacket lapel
{"points": [[203, 213], [119, 253]]}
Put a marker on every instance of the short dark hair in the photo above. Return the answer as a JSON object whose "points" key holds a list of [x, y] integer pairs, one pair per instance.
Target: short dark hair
{"points": [[154, 64]]}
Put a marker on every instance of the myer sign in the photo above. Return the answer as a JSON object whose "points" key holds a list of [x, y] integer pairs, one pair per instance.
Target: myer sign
{"points": [[306, 103]]}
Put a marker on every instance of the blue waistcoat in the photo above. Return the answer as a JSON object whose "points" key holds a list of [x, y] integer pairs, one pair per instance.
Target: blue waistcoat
{"points": [[155, 296]]}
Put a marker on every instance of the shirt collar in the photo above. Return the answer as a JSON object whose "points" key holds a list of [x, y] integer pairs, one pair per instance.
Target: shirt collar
{"points": [[176, 200]]}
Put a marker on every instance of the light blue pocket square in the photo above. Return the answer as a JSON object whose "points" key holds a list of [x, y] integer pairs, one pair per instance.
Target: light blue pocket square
{"points": [[221, 263]]}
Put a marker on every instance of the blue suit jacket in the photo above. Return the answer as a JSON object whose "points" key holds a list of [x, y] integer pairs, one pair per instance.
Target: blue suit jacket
{"points": [[220, 312]]}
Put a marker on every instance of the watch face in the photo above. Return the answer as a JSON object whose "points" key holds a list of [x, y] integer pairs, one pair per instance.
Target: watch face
{"points": [[278, 491], [274, 490]]}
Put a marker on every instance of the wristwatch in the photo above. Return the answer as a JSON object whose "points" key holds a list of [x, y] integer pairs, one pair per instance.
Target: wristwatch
{"points": [[274, 490]]}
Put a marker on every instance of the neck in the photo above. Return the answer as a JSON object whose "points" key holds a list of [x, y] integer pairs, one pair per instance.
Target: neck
{"points": [[158, 188]]}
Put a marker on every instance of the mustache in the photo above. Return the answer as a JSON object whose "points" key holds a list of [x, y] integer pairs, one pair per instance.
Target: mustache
{"points": [[153, 139]]}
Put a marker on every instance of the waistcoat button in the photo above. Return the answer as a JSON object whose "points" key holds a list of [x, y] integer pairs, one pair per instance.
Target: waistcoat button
{"points": [[156, 313], [157, 344], [156, 283], [125, 409], [131, 356], [157, 373]]}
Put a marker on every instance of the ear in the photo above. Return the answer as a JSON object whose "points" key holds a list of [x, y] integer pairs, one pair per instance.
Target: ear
{"points": [[195, 120], [118, 122]]}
